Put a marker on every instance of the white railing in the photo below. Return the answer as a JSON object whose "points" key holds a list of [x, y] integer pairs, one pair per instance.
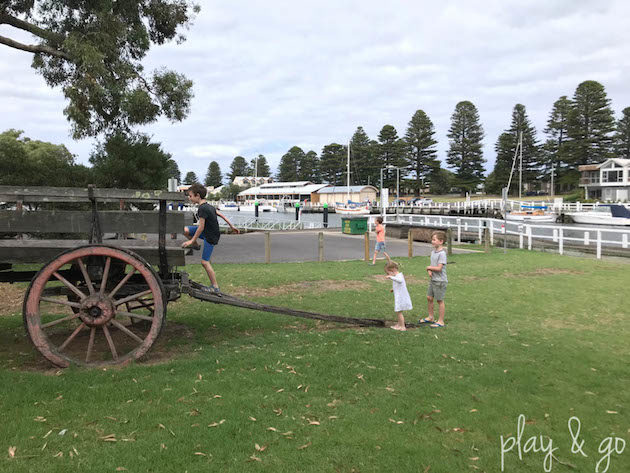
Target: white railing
{"points": [[527, 233], [253, 223]]}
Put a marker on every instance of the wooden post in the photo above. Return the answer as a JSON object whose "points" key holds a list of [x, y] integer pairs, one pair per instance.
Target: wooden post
{"points": [[367, 246], [486, 239], [449, 241], [410, 243], [267, 247], [320, 247]]}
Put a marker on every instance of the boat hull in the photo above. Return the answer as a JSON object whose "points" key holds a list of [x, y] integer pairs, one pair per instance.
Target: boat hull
{"points": [[586, 219], [530, 217]]}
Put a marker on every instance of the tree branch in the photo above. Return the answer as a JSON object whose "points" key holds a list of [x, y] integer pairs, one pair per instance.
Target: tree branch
{"points": [[35, 48], [33, 29]]}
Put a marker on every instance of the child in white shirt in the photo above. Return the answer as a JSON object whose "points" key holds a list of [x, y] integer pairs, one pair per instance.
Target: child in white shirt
{"points": [[402, 301]]}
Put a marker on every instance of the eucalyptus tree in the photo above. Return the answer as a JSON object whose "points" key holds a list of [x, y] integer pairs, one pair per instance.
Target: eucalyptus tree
{"points": [[94, 50]]}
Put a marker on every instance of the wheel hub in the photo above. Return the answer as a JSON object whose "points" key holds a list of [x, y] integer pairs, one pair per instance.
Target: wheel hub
{"points": [[97, 310]]}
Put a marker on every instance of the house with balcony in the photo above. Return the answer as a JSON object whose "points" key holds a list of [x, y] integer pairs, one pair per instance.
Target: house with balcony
{"points": [[607, 181]]}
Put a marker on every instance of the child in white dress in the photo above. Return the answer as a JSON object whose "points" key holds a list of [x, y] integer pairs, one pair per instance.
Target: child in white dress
{"points": [[402, 301]]}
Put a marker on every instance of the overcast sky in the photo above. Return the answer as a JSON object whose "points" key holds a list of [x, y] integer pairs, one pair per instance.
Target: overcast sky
{"points": [[271, 75]]}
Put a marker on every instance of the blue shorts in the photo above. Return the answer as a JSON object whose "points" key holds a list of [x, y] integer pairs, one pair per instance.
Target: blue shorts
{"points": [[207, 247], [380, 246]]}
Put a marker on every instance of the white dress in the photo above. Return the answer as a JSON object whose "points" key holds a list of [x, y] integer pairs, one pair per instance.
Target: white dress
{"points": [[402, 301]]}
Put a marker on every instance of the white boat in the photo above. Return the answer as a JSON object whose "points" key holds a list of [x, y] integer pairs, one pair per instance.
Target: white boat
{"points": [[228, 206], [529, 213], [351, 208], [603, 215], [262, 207], [531, 216]]}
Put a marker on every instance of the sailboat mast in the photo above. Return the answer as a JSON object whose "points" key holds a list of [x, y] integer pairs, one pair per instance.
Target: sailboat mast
{"points": [[348, 178], [520, 169]]}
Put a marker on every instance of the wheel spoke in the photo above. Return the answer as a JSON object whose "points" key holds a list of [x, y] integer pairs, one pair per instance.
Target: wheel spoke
{"points": [[132, 298], [108, 262], [135, 316], [90, 344], [58, 321], [69, 285], [122, 283], [86, 276], [71, 337], [126, 331], [110, 342], [76, 305]]}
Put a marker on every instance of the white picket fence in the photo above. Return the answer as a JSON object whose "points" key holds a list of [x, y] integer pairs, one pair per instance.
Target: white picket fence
{"points": [[253, 223], [528, 234]]}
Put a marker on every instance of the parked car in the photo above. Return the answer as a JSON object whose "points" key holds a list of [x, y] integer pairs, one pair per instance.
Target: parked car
{"points": [[420, 201]]}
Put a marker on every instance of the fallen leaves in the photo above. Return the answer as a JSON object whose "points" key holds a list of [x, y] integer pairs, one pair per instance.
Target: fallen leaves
{"points": [[12, 451], [216, 424], [39, 419], [396, 421], [109, 438], [305, 446]]}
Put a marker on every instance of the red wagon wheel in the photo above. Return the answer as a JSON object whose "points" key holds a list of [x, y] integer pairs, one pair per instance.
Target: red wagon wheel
{"points": [[94, 305]]}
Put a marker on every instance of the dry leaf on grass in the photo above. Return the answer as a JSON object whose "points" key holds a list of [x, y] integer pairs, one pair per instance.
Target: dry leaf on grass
{"points": [[255, 458], [201, 454], [273, 429], [215, 424], [305, 446], [396, 421], [612, 412], [121, 468], [39, 419], [427, 469], [12, 451], [109, 438]]}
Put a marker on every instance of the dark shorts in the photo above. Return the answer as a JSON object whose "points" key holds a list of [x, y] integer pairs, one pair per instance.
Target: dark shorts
{"points": [[207, 247]]}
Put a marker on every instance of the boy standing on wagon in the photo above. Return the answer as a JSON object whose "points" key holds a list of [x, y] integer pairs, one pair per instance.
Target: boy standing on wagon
{"points": [[207, 229], [438, 282]]}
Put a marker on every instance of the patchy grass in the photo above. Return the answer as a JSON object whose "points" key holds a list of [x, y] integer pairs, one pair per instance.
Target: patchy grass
{"points": [[228, 389]]}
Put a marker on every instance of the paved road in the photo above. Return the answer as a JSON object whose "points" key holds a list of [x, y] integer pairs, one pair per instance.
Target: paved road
{"points": [[301, 246]]}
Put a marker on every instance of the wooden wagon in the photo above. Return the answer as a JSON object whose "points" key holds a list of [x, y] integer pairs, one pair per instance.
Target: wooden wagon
{"points": [[101, 302], [91, 301]]}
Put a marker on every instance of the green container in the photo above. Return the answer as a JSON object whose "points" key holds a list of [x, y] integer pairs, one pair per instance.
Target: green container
{"points": [[354, 225]]}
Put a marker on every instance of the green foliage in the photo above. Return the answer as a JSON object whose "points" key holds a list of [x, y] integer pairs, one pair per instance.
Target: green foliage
{"points": [[506, 147], [465, 152], [26, 162], [421, 155], [591, 123], [94, 50], [288, 169], [363, 159], [173, 170], [238, 167], [308, 167], [190, 178], [131, 162], [441, 180], [556, 151], [230, 191], [260, 166], [213, 176], [390, 152], [332, 164], [622, 135]]}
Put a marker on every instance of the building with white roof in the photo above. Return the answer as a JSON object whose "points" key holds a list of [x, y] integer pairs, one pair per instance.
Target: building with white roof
{"points": [[608, 181], [280, 192]]}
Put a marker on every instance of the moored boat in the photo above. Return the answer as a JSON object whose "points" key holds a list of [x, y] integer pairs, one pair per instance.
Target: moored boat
{"points": [[609, 214], [532, 213]]}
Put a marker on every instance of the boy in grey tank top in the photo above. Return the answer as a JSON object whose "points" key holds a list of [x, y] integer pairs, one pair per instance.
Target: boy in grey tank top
{"points": [[439, 281]]}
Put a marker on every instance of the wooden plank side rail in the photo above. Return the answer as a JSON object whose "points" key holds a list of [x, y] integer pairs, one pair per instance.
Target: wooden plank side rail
{"points": [[78, 194], [43, 251], [62, 221]]}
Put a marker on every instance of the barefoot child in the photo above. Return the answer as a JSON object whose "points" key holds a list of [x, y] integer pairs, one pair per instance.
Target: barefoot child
{"points": [[207, 229], [402, 301], [380, 240], [438, 282]]}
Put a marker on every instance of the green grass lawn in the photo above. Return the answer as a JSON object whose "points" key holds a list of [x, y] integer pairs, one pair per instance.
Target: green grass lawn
{"points": [[228, 389]]}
